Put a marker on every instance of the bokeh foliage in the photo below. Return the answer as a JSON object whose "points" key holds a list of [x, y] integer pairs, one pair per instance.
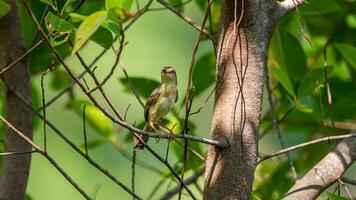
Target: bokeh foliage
{"points": [[297, 65]]}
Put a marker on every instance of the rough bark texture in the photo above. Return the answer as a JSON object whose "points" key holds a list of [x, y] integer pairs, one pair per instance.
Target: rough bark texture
{"points": [[242, 53], [14, 174], [325, 173]]}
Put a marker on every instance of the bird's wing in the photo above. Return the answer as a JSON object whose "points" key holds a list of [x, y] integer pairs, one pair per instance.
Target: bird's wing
{"points": [[152, 100], [176, 97]]}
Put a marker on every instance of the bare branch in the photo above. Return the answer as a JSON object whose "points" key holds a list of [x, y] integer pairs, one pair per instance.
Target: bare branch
{"points": [[349, 180], [19, 153], [120, 120], [19, 59], [186, 19], [44, 153], [70, 143], [326, 172], [276, 125], [187, 181], [287, 5], [298, 146], [280, 9]]}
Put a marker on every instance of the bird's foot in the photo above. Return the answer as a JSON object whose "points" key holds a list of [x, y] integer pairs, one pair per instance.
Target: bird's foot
{"points": [[171, 136]]}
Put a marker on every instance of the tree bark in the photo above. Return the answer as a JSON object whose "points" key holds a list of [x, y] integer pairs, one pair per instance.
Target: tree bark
{"points": [[14, 174], [241, 63], [325, 173]]}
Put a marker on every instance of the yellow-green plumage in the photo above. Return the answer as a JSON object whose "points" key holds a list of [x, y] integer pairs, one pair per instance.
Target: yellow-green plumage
{"points": [[160, 102]]}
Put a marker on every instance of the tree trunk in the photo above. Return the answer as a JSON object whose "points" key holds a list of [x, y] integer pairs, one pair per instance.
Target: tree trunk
{"points": [[14, 174], [241, 62]]}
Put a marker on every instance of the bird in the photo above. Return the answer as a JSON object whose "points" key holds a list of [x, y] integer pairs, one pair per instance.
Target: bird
{"points": [[159, 104]]}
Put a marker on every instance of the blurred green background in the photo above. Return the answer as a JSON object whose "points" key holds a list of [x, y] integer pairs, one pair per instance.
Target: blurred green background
{"points": [[160, 38]]}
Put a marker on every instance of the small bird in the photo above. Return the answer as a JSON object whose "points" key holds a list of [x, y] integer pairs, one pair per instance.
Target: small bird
{"points": [[160, 103]]}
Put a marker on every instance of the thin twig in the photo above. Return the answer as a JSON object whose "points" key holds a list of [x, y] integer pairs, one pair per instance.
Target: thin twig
{"points": [[44, 153], [131, 84], [276, 125], [70, 143], [156, 188], [298, 146], [133, 171], [349, 180], [169, 194], [71, 85], [44, 103], [17, 153], [119, 121], [345, 187], [19, 59], [188, 99], [186, 19], [122, 40]]}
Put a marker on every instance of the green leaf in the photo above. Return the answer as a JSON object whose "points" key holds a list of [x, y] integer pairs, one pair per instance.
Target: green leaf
{"points": [[121, 4], [87, 28], [28, 197], [4, 8], [289, 54], [194, 163], [215, 11], [204, 72], [304, 108], [348, 52], [117, 15], [94, 117], [143, 86], [344, 107], [75, 17], [102, 37], [53, 22], [60, 79], [56, 41], [319, 7], [42, 57], [265, 185], [108, 24], [50, 3], [351, 20], [333, 196], [68, 2], [311, 80], [177, 4], [284, 79]]}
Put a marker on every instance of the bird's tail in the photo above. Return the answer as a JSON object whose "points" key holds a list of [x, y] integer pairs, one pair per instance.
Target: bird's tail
{"points": [[138, 144]]}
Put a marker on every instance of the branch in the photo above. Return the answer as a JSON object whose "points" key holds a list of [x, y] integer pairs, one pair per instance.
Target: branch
{"points": [[24, 137], [187, 19], [71, 144], [288, 5], [329, 170], [119, 121], [349, 180], [298, 146], [187, 181], [280, 9]]}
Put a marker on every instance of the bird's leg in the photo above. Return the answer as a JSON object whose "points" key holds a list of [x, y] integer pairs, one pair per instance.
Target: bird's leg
{"points": [[170, 130], [157, 131]]}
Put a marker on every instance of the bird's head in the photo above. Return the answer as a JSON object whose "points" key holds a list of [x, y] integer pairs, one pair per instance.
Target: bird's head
{"points": [[168, 75]]}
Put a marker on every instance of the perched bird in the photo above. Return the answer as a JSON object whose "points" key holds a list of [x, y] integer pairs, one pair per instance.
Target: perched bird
{"points": [[160, 103]]}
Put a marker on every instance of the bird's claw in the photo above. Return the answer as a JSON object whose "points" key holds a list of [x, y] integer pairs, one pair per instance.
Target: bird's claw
{"points": [[171, 136]]}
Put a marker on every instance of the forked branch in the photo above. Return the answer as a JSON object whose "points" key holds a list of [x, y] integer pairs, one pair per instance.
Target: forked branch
{"points": [[329, 170]]}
